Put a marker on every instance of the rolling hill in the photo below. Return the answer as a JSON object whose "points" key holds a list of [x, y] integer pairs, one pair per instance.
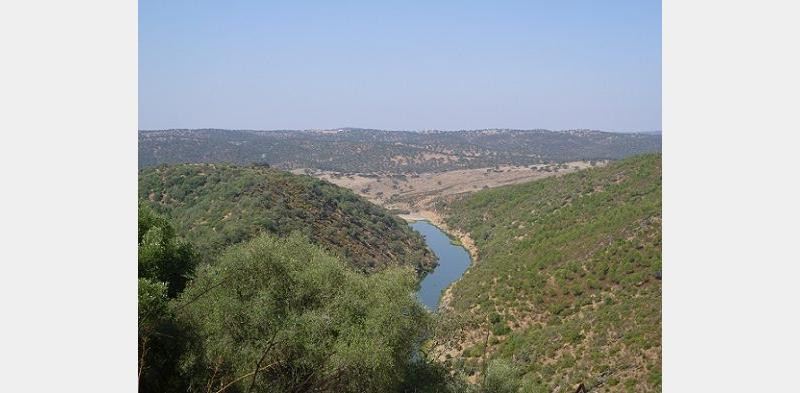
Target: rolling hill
{"points": [[217, 205], [352, 150], [567, 285]]}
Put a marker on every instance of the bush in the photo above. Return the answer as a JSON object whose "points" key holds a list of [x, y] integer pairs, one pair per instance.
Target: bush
{"points": [[165, 265], [501, 377], [494, 317], [161, 256], [500, 329]]}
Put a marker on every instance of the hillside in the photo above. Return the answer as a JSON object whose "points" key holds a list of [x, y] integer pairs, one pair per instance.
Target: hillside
{"points": [[568, 279], [216, 205], [272, 315], [377, 151]]}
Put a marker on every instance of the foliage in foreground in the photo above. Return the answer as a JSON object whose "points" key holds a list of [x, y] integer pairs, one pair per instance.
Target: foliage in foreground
{"points": [[165, 266], [162, 256], [568, 279], [282, 315], [215, 206]]}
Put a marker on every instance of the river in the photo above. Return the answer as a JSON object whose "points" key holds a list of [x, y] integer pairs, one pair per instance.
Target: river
{"points": [[453, 262]]}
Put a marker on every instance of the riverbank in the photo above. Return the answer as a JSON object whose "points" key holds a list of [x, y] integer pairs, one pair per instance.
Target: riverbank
{"points": [[454, 260], [437, 220], [466, 242]]}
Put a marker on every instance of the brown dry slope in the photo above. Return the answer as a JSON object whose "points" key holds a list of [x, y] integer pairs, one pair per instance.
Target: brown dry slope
{"points": [[414, 195]]}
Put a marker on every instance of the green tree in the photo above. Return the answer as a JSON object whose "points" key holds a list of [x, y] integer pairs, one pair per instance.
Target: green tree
{"points": [[162, 257], [282, 315], [160, 341], [165, 265]]}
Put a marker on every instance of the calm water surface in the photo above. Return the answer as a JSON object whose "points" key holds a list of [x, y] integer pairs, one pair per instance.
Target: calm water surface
{"points": [[453, 262]]}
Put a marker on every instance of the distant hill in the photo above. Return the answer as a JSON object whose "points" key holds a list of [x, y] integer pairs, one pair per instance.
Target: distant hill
{"points": [[568, 278], [376, 151], [654, 132], [216, 205]]}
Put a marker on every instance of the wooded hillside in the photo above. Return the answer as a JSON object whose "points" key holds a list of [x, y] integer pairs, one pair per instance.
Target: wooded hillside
{"points": [[217, 205], [568, 281]]}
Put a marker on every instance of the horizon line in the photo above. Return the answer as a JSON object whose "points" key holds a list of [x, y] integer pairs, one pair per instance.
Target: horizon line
{"points": [[344, 129]]}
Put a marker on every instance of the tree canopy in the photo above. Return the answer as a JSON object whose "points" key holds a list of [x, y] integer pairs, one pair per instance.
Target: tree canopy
{"points": [[162, 257], [215, 206], [165, 266], [280, 314]]}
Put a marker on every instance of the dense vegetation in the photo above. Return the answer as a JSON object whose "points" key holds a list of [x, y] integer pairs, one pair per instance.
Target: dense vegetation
{"points": [[376, 151], [250, 279], [282, 315], [279, 314], [217, 205], [275, 315], [165, 265], [567, 287]]}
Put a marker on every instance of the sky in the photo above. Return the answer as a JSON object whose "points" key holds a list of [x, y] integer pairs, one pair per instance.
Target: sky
{"points": [[400, 65]]}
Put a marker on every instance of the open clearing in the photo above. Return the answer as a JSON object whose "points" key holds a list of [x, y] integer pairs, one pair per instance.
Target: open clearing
{"points": [[412, 195]]}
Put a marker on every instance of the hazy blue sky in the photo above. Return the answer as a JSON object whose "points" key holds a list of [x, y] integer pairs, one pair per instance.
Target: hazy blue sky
{"points": [[400, 64]]}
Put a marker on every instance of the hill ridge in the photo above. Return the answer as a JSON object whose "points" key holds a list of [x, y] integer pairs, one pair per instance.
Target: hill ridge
{"points": [[377, 151], [217, 205]]}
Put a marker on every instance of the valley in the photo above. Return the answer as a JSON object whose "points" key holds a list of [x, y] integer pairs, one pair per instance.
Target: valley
{"points": [[395, 197], [581, 188], [539, 276]]}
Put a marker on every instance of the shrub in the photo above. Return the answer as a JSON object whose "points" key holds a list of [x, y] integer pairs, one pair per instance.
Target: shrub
{"points": [[500, 329], [501, 377]]}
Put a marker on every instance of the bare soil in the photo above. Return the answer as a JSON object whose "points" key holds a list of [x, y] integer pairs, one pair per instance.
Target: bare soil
{"points": [[411, 195]]}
